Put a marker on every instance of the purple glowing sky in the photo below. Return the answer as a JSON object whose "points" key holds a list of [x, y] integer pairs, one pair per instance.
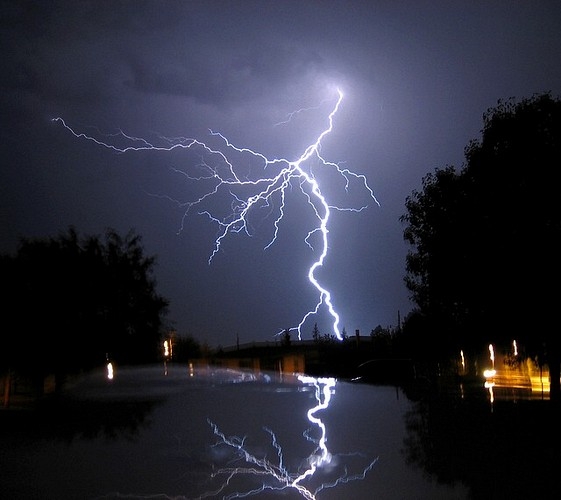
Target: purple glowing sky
{"points": [[417, 78]]}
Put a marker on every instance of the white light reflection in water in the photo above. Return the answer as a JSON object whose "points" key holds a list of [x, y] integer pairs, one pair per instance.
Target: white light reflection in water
{"points": [[489, 386], [272, 474]]}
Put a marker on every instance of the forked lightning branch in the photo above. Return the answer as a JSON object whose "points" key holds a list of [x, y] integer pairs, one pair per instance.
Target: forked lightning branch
{"points": [[267, 190]]}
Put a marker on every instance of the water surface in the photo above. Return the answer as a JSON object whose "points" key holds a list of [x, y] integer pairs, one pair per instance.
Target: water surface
{"points": [[150, 433]]}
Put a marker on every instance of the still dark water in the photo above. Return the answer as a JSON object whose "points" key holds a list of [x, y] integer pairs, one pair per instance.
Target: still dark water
{"points": [[228, 434]]}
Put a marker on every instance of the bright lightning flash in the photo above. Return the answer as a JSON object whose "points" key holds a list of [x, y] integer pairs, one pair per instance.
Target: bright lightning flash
{"points": [[266, 192], [274, 476]]}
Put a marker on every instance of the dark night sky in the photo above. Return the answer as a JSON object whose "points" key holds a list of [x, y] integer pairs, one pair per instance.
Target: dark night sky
{"points": [[417, 78]]}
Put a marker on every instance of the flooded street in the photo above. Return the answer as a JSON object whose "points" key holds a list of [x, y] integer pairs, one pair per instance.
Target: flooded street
{"points": [[155, 433], [213, 434]]}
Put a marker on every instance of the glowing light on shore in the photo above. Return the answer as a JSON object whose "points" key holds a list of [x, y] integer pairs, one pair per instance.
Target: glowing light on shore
{"points": [[492, 355]]}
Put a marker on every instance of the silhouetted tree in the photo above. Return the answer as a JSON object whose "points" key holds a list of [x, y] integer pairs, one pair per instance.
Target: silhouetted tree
{"points": [[186, 348], [455, 439], [315, 333], [484, 263], [72, 301], [381, 342], [285, 341]]}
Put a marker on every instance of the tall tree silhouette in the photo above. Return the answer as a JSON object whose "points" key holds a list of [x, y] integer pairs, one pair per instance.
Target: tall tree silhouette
{"points": [[72, 301], [484, 260]]}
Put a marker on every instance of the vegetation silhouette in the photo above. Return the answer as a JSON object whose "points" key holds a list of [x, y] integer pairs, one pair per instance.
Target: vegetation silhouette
{"points": [[501, 451], [66, 419], [483, 266], [72, 303]]}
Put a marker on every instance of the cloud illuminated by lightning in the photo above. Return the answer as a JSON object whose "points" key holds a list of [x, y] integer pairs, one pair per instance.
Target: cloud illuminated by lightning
{"points": [[266, 191]]}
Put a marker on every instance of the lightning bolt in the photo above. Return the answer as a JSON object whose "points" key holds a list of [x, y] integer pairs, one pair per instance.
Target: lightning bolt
{"points": [[267, 192], [268, 472], [273, 475]]}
